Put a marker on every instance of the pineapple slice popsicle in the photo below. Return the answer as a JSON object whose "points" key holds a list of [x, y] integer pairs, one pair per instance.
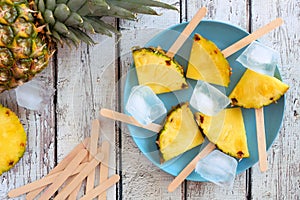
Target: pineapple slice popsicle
{"points": [[158, 69], [179, 133], [226, 130], [257, 88], [207, 62]]}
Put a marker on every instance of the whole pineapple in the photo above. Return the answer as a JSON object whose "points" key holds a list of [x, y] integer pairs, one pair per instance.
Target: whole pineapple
{"points": [[30, 29]]}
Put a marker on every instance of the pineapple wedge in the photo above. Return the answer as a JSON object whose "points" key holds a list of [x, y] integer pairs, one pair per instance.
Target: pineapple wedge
{"points": [[13, 139], [255, 90], [156, 70], [179, 134], [226, 130], [207, 63]]}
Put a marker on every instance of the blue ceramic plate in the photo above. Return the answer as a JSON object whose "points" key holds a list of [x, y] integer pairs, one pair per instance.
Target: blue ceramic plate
{"points": [[223, 35]]}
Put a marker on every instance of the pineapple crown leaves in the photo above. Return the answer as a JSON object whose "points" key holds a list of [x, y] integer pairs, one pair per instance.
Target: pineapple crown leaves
{"points": [[72, 20]]}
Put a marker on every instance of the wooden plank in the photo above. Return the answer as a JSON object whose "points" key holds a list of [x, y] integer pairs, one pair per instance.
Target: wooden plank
{"points": [[140, 178], [281, 181], [86, 82], [234, 12], [38, 158]]}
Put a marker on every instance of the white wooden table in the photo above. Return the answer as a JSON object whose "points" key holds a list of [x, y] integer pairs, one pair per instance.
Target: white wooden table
{"points": [[89, 78]]}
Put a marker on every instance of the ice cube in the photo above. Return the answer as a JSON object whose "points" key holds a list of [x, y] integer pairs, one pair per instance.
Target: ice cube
{"points": [[144, 105], [259, 58], [34, 95], [219, 168], [207, 99]]}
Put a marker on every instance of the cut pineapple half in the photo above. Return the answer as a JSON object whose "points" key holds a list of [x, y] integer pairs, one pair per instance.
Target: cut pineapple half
{"points": [[207, 63], [226, 130], [156, 70], [180, 133], [12, 139], [255, 90]]}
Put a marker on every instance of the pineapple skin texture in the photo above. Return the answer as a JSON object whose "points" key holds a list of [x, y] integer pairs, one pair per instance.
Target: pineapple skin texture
{"points": [[12, 139], [226, 130], [156, 70], [207, 63], [29, 30], [23, 52], [255, 90], [179, 134]]}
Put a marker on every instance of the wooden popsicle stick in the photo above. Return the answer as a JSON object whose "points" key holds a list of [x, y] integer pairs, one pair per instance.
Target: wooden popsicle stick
{"points": [[41, 182], [101, 188], [74, 193], [104, 168], [66, 191], [190, 167], [186, 32], [71, 167], [261, 139], [253, 36], [92, 152], [128, 120], [61, 166]]}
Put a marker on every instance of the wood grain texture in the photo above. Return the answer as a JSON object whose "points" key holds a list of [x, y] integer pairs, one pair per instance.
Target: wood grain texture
{"points": [[281, 181], [234, 12], [90, 78], [39, 156], [140, 178], [86, 82]]}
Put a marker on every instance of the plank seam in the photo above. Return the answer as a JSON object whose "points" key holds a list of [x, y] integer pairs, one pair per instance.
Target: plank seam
{"points": [[91, 80], [119, 188], [55, 101], [184, 17], [249, 8], [249, 171], [249, 184]]}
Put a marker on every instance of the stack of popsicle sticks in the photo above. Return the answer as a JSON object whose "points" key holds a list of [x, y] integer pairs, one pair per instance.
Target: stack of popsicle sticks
{"points": [[65, 180], [210, 146]]}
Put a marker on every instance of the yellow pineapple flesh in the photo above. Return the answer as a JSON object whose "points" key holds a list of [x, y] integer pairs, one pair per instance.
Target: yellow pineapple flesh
{"points": [[179, 134], [156, 70], [255, 90], [13, 139], [207, 63], [226, 130]]}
